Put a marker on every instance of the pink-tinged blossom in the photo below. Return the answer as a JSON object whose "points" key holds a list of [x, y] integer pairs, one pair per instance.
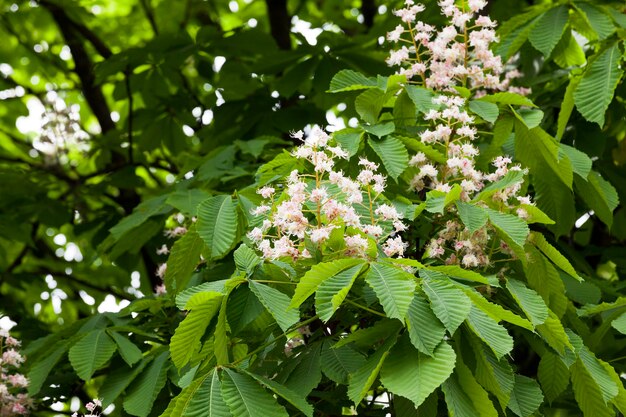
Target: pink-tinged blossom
{"points": [[396, 34], [262, 209], [476, 5], [356, 245], [408, 15], [373, 230], [428, 170], [163, 250], [160, 272], [318, 195], [470, 261], [394, 246], [418, 159], [397, 57], [266, 192], [320, 235], [387, 212]]}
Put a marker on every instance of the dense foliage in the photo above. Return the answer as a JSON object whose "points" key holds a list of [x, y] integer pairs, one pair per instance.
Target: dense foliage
{"points": [[452, 244]]}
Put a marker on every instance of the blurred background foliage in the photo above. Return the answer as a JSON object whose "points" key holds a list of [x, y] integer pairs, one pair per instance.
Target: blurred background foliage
{"points": [[118, 116]]}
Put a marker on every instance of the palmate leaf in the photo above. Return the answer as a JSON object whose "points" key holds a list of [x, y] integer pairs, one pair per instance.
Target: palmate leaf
{"points": [[473, 217], [568, 52], [339, 363], [457, 272], [39, 370], [91, 352], [277, 304], [393, 286], [600, 375], [598, 19], [319, 273], [380, 331], [369, 105], [307, 372], [487, 111], [140, 399], [587, 393], [509, 225], [493, 374], [488, 329], [333, 291], [530, 302], [553, 332], [567, 106], [425, 330], [465, 396], [246, 398], [183, 259], [553, 375], [543, 277], [414, 375], [348, 80], [526, 396], [595, 91], [448, 302], [581, 163], [118, 380], [185, 342], [496, 311], [549, 29], [554, 255], [362, 379], [393, 153], [217, 225], [283, 392], [599, 195], [202, 398], [127, 349]]}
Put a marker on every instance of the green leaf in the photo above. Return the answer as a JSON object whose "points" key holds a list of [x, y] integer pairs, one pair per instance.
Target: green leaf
{"points": [[567, 106], [456, 271], [418, 146], [393, 153], [473, 217], [568, 53], [554, 255], [511, 226], [380, 129], [215, 286], [425, 329], [348, 80], [394, 288], [600, 21], [421, 97], [246, 259], [448, 302], [117, 381], [490, 332], [600, 375], [307, 373], [217, 225], [277, 304], [148, 208], [221, 342], [145, 390], [318, 274], [595, 91], [280, 390], [39, 370], [369, 104], [526, 396], [381, 330], [554, 334], [619, 324], [437, 201], [91, 352], [496, 311], [599, 195], [333, 291], [535, 215], [486, 110], [349, 139], [493, 374], [465, 397], [587, 393], [339, 363], [549, 29], [246, 398], [185, 342], [511, 178], [530, 302], [530, 117], [512, 99], [361, 380], [553, 375], [414, 375], [204, 398], [183, 259], [581, 163], [187, 201], [128, 350], [592, 309]]}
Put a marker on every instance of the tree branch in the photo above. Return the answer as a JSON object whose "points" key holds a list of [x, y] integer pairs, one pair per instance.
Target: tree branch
{"points": [[280, 22], [83, 67], [368, 10], [149, 15]]}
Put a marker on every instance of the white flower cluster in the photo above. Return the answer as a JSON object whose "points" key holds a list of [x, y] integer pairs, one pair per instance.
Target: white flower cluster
{"points": [[314, 205], [458, 55], [13, 399]]}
